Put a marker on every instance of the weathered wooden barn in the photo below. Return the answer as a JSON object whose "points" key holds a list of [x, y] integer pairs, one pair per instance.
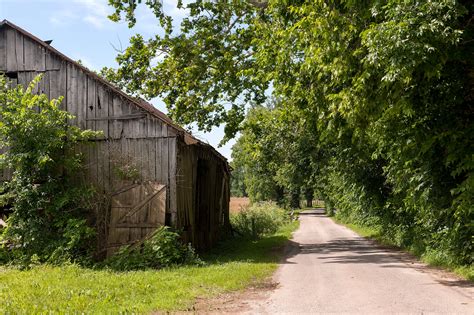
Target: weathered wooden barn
{"points": [[151, 170]]}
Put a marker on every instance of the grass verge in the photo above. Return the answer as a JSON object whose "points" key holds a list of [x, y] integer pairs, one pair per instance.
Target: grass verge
{"points": [[232, 266], [433, 258]]}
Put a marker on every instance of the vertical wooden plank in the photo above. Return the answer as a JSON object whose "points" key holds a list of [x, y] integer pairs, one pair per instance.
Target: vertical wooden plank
{"points": [[91, 124], [194, 211], [151, 158], [122, 152], [11, 61], [158, 158], [172, 171], [103, 152], [127, 125], [115, 109], [57, 73], [164, 130], [151, 147], [3, 50], [142, 127], [102, 110], [91, 103], [164, 161], [151, 126], [212, 200], [81, 98], [30, 53], [34, 55], [44, 83], [53, 67], [71, 101], [165, 169], [19, 52], [164, 156]]}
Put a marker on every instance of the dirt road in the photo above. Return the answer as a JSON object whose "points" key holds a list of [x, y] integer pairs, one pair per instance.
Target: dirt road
{"points": [[330, 269]]}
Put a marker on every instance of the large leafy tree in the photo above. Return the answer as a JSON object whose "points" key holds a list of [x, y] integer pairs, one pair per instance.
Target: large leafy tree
{"points": [[381, 89]]}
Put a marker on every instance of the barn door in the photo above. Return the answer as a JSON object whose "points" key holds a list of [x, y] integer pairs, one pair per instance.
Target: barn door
{"points": [[136, 212]]}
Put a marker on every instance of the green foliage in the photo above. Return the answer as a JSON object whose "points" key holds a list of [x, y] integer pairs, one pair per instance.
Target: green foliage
{"points": [[375, 104], [203, 73], [259, 220], [237, 183], [163, 249], [49, 205]]}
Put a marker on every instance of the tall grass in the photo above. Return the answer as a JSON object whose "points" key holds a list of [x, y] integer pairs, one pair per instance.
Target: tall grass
{"points": [[259, 219]]}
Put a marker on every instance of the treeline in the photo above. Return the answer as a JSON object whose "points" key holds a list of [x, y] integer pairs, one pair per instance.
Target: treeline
{"points": [[373, 104]]}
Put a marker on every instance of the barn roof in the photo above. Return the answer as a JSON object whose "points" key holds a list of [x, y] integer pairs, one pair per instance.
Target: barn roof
{"points": [[149, 108]]}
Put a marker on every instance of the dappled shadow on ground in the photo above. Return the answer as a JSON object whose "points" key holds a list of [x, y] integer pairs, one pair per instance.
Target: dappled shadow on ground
{"points": [[363, 251], [457, 283], [269, 249], [345, 251], [318, 212]]}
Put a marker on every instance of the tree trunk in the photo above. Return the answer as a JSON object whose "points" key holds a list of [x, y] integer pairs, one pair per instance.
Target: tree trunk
{"points": [[308, 193], [295, 199], [280, 196]]}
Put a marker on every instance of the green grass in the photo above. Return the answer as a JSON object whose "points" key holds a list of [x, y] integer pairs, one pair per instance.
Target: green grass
{"points": [[232, 266], [432, 258], [365, 231]]}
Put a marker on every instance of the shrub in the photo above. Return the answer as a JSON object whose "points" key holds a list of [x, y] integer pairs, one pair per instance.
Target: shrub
{"points": [[49, 205], [259, 220], [163, 249]]}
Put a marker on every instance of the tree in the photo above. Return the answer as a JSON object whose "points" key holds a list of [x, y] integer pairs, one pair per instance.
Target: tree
{"points": [[384, 89], [237, 180]]}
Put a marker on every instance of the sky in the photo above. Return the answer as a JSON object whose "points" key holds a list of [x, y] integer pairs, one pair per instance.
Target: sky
{"points": [[81, 30]]}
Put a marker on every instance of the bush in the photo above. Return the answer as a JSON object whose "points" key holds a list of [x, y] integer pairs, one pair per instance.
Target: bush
{"points": [[163, 249], [49, 205], [259, 220]]}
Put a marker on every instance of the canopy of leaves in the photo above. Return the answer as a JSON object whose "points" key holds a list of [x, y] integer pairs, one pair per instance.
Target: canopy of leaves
{"points": [[376, 101]]}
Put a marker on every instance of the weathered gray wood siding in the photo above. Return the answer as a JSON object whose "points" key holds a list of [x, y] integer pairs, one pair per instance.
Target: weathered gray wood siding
{"points": [[196, 178], [130, 133]]}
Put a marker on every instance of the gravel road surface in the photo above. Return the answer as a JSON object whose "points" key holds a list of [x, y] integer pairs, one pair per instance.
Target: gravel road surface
{"points": [[330, 269]]}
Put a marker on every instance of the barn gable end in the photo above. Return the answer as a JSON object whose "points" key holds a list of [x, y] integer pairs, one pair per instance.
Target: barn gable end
{"points": [[135, 135]]}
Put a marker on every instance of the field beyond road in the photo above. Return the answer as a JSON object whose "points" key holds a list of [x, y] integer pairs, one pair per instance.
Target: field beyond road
{"points": [[238, 203], [232, 266]]}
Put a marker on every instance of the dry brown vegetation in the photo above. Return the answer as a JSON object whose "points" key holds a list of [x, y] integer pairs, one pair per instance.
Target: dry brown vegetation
{"points": [[237, 203]]}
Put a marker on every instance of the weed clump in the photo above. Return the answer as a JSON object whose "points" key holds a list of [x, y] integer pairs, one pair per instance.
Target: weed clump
{"points": [[259, 220], [163, 249]]}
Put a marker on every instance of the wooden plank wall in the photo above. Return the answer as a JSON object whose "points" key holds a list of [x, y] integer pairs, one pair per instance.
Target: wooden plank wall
{"points": [[144, 140], [202, 213], [153, 147]]}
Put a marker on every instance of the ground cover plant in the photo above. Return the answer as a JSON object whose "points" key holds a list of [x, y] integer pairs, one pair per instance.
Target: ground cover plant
{"points": [[233, 265], [163, 248]]}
